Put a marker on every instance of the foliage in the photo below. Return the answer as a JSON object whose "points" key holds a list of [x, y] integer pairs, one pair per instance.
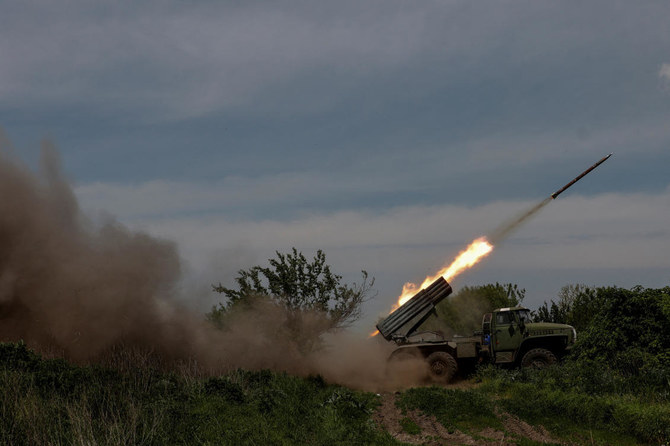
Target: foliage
{"points": [[577, 304], [578, 402], [299, 286], [579, 398], [498, 295], [462, 312], [617, 378], [626, 330], [584, 377], [630, 331], [53, 402], [614, 388]]}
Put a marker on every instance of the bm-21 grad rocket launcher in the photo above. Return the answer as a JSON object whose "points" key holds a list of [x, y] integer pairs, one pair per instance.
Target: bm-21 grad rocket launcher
{"points": [[402, 322]]}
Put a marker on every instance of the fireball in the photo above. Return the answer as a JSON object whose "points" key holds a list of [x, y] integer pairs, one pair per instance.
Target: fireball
{"points": [[476, 251]]}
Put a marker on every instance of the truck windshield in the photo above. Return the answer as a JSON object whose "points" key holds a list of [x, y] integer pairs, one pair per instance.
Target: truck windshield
{"points": [[504, 317], [524, 315]]}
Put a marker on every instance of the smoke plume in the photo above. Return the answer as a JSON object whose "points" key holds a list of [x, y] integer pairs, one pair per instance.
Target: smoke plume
{"points": [[81, 290], [503, 231], [68, 286]]}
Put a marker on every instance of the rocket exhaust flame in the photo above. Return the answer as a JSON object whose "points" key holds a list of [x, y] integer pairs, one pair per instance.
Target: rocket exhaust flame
{"points": [[477, 250], [467, 258]]}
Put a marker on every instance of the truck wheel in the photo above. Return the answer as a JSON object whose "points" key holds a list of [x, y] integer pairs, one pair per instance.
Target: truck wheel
{"points": [[403, 361], [441, 366], [538, 358]]}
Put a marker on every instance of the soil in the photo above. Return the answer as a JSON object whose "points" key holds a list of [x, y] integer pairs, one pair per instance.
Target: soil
{"points": [[433, 433]]}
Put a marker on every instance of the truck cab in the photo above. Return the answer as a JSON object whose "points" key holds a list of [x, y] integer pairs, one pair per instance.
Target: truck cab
{"points": [[513, 339]]}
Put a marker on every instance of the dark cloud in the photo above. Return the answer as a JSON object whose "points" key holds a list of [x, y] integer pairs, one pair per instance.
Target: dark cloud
{"points": [[251, 115]]}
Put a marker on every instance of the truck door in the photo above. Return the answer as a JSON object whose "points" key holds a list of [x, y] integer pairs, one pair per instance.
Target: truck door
{"points": [[506, 336]]}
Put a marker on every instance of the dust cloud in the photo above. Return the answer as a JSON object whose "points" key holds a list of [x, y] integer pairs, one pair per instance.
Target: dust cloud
{"points": [[82, 290]]}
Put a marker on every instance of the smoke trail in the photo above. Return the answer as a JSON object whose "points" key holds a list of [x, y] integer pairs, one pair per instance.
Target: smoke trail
{"points": [[503, 231], [80, 290]]}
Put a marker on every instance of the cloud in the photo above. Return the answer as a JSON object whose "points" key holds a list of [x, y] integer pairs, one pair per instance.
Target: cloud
{"points": [[331, 126], [190, 61], [528, 149], [474, 171], [179, 61], [601, 229], [605, 234], [235, 194], [664, 73]]}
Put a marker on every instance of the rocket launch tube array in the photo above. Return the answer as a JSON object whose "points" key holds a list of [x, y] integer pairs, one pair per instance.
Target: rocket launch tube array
{"points": [[406, 318]]}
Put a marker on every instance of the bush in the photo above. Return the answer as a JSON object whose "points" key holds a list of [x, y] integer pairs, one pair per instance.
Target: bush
{"points": [[226, 388], [624, 330], [299, 286]]}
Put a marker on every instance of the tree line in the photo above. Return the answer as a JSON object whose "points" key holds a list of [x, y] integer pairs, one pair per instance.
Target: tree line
{"points": [[626, 329]]}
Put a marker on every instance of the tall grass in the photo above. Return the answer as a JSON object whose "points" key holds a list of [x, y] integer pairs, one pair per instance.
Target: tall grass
{"points": [[145, 402], [465, 410], [583, 395], [53, 402]]}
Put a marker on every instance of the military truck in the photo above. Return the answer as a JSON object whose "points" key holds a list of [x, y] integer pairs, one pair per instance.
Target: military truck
{"points": [[507, 337]]}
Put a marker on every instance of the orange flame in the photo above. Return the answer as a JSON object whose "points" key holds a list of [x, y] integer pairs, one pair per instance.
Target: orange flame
{"points": [[467, 258]]}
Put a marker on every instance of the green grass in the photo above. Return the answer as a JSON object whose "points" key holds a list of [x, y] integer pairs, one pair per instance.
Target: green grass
{"points": [[52, 402], [577, 404], [574, 405], [465, 410], [409, 426]]}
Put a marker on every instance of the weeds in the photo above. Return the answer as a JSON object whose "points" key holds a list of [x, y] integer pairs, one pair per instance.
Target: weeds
{"points": [[53, 402], [409, 426], [575, 401], [582, 398], [455, 409]]}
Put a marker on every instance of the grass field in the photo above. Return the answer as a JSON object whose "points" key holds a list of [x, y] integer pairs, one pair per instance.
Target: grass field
{"points": [[54, 402]]}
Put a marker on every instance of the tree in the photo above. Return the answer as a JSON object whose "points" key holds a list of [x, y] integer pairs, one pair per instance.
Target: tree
{"points": [[576, 306], [629, 330], [299, 286]]}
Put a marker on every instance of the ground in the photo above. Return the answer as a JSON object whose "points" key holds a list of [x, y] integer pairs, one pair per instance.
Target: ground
{"points": [[432, 433]]}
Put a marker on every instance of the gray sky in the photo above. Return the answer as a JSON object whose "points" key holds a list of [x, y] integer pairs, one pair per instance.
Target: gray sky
{"points": [[387, 133]]}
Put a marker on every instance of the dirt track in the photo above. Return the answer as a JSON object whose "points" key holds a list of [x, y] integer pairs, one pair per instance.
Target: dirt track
{"points": [[388, 417]]}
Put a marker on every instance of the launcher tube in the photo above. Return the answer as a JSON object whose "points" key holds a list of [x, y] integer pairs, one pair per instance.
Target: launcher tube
{"points": [[406, 318]]}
